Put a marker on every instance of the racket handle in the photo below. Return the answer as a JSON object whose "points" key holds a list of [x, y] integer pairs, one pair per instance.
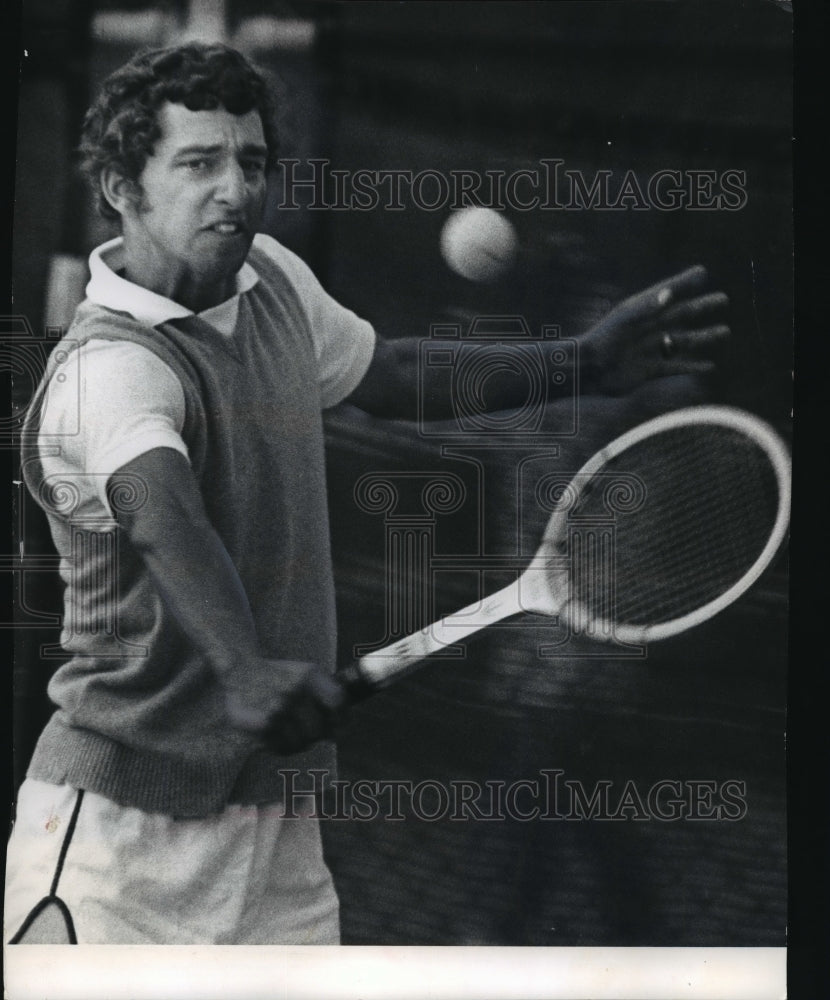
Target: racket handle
{"points": [[359, 685], [379, 668]]}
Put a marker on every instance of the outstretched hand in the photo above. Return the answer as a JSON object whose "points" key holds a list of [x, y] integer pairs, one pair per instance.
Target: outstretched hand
{"points": [[672, 328]]}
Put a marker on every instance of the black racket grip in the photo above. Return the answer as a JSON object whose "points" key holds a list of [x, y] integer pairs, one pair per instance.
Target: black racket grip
{"points": [[355, 684]]}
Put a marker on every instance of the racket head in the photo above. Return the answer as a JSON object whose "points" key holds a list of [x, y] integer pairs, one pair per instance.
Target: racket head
{"points": [[668, 524]]}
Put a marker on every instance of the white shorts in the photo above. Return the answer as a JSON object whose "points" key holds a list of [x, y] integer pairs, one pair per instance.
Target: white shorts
{"points": [[245, 876]]}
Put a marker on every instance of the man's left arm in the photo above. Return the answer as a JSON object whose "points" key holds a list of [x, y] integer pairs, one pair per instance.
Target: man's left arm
{"points": [[673, 328]]}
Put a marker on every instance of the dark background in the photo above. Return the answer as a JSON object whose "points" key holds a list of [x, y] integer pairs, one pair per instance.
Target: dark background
{"points": [[475, 86]]}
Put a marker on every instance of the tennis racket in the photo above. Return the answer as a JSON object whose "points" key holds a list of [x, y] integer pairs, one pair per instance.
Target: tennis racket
{"points": [[659, 531]]}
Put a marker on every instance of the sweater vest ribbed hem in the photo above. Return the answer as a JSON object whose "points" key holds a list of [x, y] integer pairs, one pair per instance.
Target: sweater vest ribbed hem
{"points": [[158, 784]]}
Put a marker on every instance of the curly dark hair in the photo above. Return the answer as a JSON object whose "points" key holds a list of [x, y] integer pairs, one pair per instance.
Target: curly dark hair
{"points": [[121, 128]]}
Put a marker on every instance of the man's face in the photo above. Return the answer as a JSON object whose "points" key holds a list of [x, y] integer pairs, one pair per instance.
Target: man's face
{"points": [[202, 198]]}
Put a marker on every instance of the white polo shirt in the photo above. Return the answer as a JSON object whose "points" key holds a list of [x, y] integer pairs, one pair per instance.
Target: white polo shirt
{"points": [[120, 400]]}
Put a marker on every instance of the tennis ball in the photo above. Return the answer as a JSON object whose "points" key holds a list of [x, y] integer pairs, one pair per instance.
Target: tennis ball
{"points": [[478, 243]]}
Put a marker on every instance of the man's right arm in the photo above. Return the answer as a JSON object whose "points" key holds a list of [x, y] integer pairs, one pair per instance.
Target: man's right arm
{"points": [[289, 704]]}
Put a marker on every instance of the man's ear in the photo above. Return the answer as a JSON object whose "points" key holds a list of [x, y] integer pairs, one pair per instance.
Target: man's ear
{"points": [[121, 194]]}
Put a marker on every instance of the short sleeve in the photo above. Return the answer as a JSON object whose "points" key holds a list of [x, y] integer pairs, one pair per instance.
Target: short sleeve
{"points": [[117, 402], [343, 342]]}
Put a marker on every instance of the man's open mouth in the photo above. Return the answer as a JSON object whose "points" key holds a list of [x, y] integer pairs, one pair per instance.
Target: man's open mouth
{"points": [[226, 228]]}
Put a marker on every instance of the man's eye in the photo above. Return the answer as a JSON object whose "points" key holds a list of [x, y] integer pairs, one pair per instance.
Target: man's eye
{"points": [[196, 165], [253, 166]]}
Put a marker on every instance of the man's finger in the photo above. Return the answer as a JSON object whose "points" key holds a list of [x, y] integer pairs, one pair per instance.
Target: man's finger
{"points": [[245, 716], [693, 279], [299, 727], [329, 692], [684, 366], [675, 343], [690, 311], [658, 297], [316, 708]]}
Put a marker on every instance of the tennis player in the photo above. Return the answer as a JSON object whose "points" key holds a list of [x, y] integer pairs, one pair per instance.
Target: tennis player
{"points": [[176, 446]]}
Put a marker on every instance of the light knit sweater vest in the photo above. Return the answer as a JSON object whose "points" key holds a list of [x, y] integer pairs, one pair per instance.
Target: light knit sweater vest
{"points": [[140, 715]]}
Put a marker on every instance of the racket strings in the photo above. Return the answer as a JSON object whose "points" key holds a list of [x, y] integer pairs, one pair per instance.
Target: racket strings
{"points": [[672, 544], [710, 502]]}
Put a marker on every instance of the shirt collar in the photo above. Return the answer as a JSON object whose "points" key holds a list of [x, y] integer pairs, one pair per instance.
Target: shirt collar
{"points": [[107, 288]]}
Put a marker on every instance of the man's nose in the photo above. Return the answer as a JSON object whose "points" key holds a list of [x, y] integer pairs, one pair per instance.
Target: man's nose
{"points": [[231, 187]]}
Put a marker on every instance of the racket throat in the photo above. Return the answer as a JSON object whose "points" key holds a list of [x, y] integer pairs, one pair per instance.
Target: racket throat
{"points": [[526, 594]]}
